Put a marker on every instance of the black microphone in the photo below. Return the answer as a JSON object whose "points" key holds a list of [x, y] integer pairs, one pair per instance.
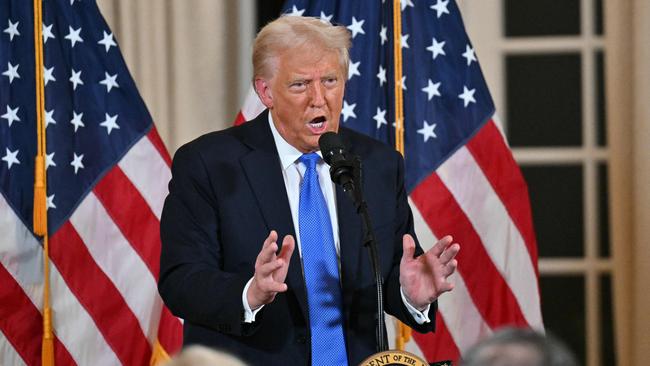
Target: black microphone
{"points": [[342, 166]]}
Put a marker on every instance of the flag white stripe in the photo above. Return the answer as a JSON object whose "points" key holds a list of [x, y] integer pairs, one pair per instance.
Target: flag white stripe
{"points": [[463, 320], [119, 261], [148, 172], [252, 105], [22, 256], [506, 247], [8, 355]]}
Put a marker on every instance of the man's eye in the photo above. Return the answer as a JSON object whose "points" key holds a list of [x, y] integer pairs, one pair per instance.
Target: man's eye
{"points": [[299, 85], [330, 81]]}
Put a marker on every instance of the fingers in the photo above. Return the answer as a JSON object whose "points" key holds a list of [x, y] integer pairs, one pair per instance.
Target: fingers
{"points": [[441, 245], [288, 245], [269, 248], [408, 248], [449, 253], [450, 268]]}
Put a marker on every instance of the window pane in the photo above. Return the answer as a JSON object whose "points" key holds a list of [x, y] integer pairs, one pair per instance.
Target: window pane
{"points": [[544, 99], [563, 309], [598, 15], [542, 18], [600, 99], [556, 200], [603, 206], [607, 321]]}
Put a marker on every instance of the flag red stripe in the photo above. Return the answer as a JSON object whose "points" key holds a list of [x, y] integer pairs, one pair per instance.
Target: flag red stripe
{"points": [[490, 292], [132, 215], [497, 163], [22, 323], [438, 346], [170, 332], [99, 296], [239, 119], [157, 142]]}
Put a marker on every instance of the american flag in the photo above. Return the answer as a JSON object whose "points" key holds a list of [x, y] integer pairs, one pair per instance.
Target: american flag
{"points": [[107, 174], [461, 177]]}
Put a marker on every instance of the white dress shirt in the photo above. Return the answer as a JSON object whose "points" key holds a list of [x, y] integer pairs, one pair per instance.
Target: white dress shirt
{"points": [[292, 172]]}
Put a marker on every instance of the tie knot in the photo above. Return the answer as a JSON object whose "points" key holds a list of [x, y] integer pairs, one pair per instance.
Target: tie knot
{"points": [[310, 160]]}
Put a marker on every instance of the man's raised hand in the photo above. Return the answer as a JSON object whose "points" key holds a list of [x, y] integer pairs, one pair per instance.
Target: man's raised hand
{"points": [[270, 270], [424, 278]]}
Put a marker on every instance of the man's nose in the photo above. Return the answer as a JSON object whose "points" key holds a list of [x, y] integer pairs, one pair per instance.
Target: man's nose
{"points": [[317, 95]]}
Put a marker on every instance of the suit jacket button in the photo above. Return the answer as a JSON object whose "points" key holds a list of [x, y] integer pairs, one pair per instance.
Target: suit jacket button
{"points": [[301, 339]]}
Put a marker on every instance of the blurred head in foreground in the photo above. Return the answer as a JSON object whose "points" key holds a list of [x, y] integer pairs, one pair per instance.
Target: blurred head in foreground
{"points": [[518, 347], [203, 356]]}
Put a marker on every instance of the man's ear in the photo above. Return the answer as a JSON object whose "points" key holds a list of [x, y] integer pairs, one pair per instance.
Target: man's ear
{"points": [[263, 90]]}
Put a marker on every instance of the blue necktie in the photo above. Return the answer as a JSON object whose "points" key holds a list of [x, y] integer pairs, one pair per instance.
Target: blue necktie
{"points": [[321, 269]]}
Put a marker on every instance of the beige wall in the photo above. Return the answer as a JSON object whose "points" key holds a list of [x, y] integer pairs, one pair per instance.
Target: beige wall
{"points": [[189, 58]]}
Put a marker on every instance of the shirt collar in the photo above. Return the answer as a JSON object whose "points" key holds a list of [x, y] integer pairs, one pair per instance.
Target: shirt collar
{"points": [[288, 153]]}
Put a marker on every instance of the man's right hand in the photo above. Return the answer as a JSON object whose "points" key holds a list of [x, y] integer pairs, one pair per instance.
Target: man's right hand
{"points": [[270, 270]]}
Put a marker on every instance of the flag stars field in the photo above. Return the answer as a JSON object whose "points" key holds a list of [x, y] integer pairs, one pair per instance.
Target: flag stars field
{"points": [[73, 36], [50, 202], [11, 115], [107, 41], [75, 79], [326, 18], [12, 30], [49, 160], [353, 69], [469, 55], [109, 81], [296, 12], [436, 48], [432, 89], [440, 7], [49, 118], [380, 117], [11, 72], [381, 75], [110, 123], [77, 162], [382, 35], [356, 27], [348, 111], [467, 96], [76, 120], [427, 131], [48, 75], [11, 157], [404, 41], [47, 33]]}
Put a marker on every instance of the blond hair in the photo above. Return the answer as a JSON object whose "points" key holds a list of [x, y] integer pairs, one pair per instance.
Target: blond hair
{"points": [[290, 32]]}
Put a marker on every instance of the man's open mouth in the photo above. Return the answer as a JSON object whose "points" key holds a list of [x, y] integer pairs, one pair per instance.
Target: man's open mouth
{"points": [[317, 122]]}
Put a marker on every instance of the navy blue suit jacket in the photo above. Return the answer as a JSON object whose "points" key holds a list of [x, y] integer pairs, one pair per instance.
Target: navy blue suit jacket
{"points": [[226, 194]]}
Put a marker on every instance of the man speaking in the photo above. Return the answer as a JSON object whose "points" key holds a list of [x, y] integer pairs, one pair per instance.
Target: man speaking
{"points": [[262, 255]]}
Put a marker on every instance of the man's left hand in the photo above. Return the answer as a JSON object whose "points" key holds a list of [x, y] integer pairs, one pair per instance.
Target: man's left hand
{"points": [[424, 278]]}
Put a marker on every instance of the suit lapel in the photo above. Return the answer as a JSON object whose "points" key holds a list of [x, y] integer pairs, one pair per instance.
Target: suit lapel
{"points": [[264, 172]]}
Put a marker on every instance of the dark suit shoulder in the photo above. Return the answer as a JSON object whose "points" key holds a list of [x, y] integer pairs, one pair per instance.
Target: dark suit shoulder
{"points": [[230, 142]]}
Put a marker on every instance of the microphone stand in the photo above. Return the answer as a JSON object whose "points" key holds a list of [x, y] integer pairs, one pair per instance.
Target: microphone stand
{"points": [[353, 190]]}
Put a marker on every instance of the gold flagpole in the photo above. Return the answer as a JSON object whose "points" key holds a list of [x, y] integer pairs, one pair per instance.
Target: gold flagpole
{"points": [[40, 187], [402, 332]]}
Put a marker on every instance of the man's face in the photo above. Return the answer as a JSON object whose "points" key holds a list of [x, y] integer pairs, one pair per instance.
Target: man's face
{"points": [[305, 95]]}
